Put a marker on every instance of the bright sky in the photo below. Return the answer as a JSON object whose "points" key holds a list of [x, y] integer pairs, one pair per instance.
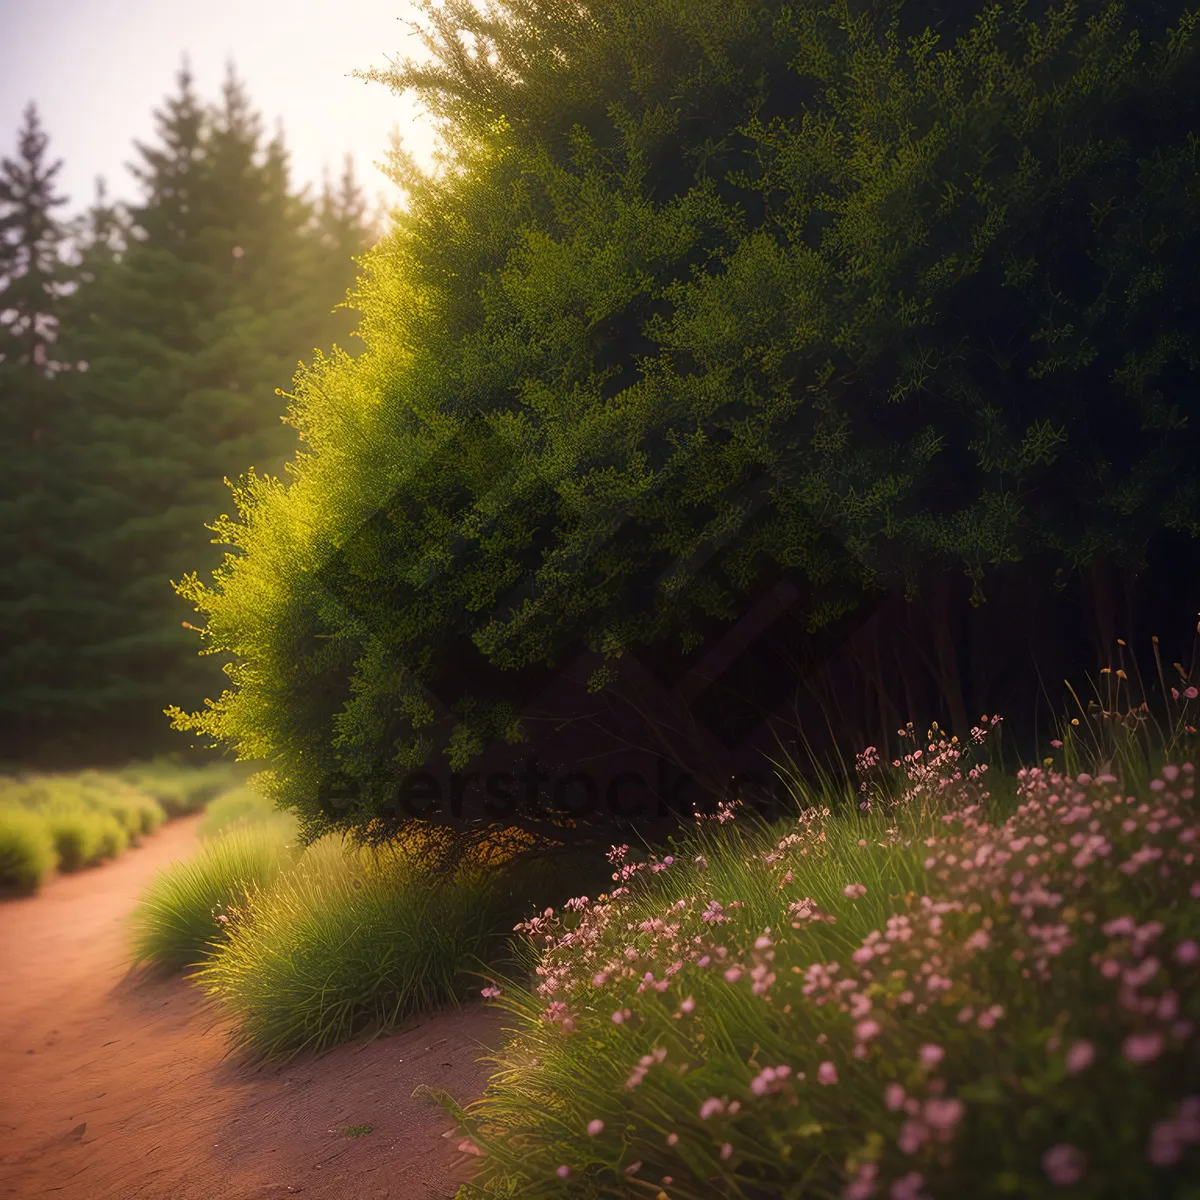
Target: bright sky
{"points": [[97, 69]]}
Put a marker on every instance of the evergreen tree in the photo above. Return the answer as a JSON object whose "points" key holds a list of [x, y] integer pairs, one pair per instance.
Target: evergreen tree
{"points": [[344, 229], [34, 584], [186, 330]]}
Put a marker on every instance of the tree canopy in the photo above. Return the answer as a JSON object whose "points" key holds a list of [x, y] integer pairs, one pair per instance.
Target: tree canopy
{"points": [[715, 293]]}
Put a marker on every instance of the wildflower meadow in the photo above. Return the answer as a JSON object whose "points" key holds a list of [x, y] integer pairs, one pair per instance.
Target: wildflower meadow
{"points": [[915, 989]]}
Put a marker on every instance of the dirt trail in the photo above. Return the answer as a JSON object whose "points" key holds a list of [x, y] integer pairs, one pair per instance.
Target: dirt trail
{"points": [[113, 1088]]}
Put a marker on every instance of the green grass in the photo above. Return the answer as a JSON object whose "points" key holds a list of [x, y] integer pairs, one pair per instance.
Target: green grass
{"points": [[346, 942], [647, 1048], [179, 920], [352, 940], [241, 806], [180, 788], [26, 849]]}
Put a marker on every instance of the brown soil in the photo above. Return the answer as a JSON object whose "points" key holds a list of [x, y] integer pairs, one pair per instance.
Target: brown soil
{"points": [[113, 1087]]}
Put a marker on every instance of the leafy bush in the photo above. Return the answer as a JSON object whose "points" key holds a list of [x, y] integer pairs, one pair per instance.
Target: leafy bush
{"points": [[78, 838], [113, 836], [934, 993], [693, 258], [26, 849], [91, 816], [178, 920], [103, 795]]}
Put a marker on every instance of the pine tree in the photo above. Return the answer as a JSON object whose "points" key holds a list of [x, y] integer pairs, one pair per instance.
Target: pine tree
{"points": [[344, 228], [220, 284], [34, 584]]}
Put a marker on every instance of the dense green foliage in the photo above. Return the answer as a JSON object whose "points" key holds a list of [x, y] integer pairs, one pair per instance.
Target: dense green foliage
{"points": [[26, 849], [155, 379], [724, 291]]}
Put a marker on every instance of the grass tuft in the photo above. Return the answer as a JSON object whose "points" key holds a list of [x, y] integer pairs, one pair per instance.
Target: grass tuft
{"points": [[349, 941], [179, 920], [241, 806]]}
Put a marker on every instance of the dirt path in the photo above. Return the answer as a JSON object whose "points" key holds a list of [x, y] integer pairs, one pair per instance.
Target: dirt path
{"points": [[117, 1089]]}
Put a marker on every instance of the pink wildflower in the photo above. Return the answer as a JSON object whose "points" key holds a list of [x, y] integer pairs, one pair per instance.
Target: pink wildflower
{"points": [[930, 1055], [854, 890], [863, 1185], [769, 1080], [1142, 1047], [943, 1115], [1166, 1147], [827, 1073], [1080, 1056], [1187, 952], [913, 1136], [1064, 1164], [989, 1017], [563, 1171], [893, 1097], [907, 1188], [595, 1127]]}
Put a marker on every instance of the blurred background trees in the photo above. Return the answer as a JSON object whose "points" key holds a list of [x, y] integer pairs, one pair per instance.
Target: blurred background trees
{"points": [[142, 349]]}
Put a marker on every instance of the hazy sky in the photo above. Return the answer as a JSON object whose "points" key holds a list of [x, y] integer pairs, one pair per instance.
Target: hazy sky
{"points": [[97, 69]]}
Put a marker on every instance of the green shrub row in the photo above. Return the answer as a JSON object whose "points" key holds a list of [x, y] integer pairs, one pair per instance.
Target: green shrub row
{"points": [[74, 820], [180, 788]]}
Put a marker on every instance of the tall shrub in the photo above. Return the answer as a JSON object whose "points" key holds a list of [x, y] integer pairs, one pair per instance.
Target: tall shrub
{"points": [[776, 290]]}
